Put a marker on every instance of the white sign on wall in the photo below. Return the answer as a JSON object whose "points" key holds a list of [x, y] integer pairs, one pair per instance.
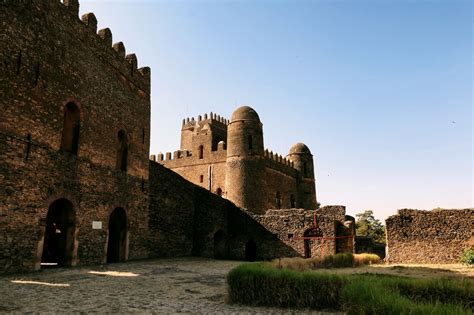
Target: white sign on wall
{"points": [[97, 225]]}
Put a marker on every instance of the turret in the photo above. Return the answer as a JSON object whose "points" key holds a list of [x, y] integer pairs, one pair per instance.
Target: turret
{"points": [[302, 159], [245, 170]]}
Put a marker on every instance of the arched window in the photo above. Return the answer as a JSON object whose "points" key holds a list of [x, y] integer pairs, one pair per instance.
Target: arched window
{"points": [[122, 153], [71, 128], [250, 142], [201, 152], [278, 200], [219, 191], [292, 201]]}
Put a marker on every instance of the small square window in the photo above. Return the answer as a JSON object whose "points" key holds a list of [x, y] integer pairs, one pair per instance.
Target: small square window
{"points": [[290, 236]]}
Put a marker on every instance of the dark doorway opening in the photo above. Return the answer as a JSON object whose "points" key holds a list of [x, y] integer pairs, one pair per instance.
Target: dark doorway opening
{"points": [[117, 244], [250, 251], [219, 245], [312, 239], [58, 246]]}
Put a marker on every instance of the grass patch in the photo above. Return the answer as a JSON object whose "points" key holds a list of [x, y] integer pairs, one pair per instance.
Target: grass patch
{"points": [[263, 284]]}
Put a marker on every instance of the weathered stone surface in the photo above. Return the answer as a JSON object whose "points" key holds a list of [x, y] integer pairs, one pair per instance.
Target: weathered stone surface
{"points": [[74, 147], [228, 158], [437, 236]]}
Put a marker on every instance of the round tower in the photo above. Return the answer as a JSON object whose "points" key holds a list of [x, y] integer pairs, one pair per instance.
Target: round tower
{"points": [[245, 169], [303, 162]]}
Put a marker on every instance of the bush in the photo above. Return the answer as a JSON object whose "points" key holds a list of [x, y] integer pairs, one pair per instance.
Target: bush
{"points": [[262, 284], [467, 257], [366, 259], [339, 260]]}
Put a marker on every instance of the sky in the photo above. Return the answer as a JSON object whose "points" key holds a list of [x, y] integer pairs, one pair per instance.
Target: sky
{"points": [[380, 91]]}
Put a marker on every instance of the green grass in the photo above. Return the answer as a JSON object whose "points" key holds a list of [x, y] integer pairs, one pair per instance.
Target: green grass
{"points": [[263, 284]]}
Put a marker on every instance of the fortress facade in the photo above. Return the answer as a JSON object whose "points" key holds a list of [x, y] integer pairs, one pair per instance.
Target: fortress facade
{"points": [[229, 159], [77, 186]]}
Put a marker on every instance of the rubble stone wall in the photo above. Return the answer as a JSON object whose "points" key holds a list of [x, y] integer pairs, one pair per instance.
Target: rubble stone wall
{"points": [[437, 236]]}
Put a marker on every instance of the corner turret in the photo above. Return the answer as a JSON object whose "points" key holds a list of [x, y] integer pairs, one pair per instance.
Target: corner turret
{"points": [[245, 170], [302, 159]]}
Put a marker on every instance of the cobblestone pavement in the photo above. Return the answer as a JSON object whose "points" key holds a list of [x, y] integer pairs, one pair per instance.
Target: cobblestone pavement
{"points": [[188, 285]]}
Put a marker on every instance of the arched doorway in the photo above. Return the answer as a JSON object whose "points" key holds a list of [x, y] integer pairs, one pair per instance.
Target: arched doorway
{"points": [[117, 243], [58, 246], [219, 245], [250, 251], [311, 240]]}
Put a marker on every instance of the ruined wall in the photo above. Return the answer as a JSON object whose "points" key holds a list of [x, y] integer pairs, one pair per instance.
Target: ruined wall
{"points": [[292, 225], [437, 236], [49, 58]]}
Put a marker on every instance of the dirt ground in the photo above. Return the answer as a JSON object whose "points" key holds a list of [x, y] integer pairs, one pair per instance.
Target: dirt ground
{"points": [[188, 285]]}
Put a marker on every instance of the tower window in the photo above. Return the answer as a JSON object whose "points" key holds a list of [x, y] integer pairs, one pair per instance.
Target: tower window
{"points": [[71, 128], [201, 178], [292, 201], [122, 153], [305, 170], [250, 142], [278, 200], [201, 152], [219, 191]]}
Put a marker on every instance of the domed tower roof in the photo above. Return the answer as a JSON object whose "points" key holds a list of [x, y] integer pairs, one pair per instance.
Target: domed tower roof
{"points": [[245, 113], [299, 148]]}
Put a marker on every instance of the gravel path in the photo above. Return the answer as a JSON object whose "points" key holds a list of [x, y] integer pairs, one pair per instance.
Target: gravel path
{"points": [[188, 285]]}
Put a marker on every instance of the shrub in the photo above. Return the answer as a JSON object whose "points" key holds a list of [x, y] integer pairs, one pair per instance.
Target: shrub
{"points": [[467, 257], [366, 259], [339, 260]]}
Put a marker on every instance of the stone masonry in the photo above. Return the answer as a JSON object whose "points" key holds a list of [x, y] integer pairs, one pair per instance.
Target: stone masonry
{"points": [[437, 236], [77, 186]]}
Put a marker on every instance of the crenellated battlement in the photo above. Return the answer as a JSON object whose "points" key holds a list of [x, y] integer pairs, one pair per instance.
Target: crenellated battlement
{"points": [[65, 13], [279, 163], [212, 117], [278, 158], [187, 154]]}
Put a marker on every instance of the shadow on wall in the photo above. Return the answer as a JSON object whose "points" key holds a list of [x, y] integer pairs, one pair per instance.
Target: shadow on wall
{"points": [[186, 219]]}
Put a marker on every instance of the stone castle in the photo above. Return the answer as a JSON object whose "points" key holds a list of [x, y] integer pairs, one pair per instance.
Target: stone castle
{"points": [[77, 186], [228, 158]]}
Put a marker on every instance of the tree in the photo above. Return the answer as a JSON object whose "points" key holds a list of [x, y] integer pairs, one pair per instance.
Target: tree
{"points": [[368, 225]]}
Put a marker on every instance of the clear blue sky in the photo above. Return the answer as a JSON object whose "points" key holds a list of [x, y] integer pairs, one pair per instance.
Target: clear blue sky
{"points": [[381, 91]]}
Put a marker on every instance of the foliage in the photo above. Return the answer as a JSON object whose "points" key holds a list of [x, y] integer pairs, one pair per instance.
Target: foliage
{"points": [[366, 259], [262, 284], [341, 260], [467, 257], [368, 225]]}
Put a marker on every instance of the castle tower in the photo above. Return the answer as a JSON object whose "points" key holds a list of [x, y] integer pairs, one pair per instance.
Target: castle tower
{"points": [[245, 169], [303, 162]]}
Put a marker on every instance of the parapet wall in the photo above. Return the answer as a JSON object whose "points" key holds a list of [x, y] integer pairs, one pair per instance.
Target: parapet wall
{"points": [[279, 163], [437, 236]]}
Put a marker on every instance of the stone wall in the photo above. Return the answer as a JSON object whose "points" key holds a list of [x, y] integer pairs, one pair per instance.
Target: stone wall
{"points": [[51, 58], [292, 226], [186, 219], [437, 236]]}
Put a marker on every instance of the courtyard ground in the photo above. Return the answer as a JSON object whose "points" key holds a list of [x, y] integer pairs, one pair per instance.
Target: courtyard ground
{"points": [[188, 285]]}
